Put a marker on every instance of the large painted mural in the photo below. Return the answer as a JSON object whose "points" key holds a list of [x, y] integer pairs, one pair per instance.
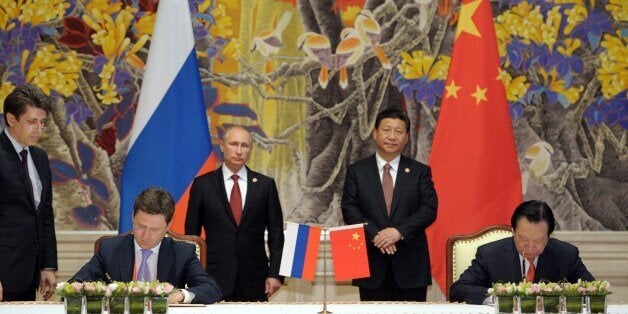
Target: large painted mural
{"points": [[301, 77]]}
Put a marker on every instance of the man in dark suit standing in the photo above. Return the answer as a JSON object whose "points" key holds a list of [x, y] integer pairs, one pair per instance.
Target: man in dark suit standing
{"points": [[529, 255], [235, 205], [28, 245], [395, 197], [148, 255]]}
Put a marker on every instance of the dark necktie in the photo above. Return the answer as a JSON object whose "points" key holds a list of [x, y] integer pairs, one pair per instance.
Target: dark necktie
{"points": [[236, 200], [531, 270], [24, 155], [387, 186]]}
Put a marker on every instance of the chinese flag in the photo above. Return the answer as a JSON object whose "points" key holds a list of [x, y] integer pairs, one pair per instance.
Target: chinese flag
{"points": [[473, 158], [348, 250]]}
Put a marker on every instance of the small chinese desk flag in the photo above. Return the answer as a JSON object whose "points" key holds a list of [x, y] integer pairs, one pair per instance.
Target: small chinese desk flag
{"points": [[348, 250]]}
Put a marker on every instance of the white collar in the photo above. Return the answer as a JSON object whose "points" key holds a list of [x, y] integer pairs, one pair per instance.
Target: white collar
{"points": [[227, 173], [394, 164], [18, 148]]}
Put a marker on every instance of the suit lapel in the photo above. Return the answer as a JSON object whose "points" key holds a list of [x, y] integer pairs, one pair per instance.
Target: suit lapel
{"points": [[545, 267], [372, 173], [252, 187], [401, 181], [39, 165], [15, 160], [219, 186], [126, 260], [165, 260], [513, 264]]}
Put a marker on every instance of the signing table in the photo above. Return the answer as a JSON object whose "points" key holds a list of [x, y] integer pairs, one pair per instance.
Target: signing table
{"points": [[293, 308]]}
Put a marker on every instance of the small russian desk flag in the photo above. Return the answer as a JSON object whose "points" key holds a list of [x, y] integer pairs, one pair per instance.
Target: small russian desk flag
{"points": [[300, 251]]}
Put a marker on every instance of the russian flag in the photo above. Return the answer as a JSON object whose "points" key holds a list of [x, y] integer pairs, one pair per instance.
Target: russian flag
{"points": [[170, 141], [300, 251]]}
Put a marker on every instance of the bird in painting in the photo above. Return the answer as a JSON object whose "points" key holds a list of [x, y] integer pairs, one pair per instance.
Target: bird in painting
{"points": [[268, 42], [370, 34], [348, 52], [540, 156], [318, 48]]}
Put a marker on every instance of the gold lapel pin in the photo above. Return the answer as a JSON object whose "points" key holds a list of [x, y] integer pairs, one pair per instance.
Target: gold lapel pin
{"points": [[407, 170]]}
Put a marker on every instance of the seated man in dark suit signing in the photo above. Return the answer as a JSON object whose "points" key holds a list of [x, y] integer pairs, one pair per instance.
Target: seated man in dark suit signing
{"points": [[529, 255], [148, 255]]}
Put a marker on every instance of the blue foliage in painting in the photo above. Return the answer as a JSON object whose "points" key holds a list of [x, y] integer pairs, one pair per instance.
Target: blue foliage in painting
{"points": [[419, 90], [610, 112], [88, 216], [77, 111], [235, 110], [62, 172], [87, 156], [592, 29]]}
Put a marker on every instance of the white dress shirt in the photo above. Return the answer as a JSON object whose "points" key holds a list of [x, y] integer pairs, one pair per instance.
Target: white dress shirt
{"points": [[151, 261], [152, 267], [32, 170], [524, 271], [242, 179], [394, 167]]}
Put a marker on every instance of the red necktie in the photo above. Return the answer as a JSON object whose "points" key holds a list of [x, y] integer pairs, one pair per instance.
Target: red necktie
{"points": [[387, 186], [531, 270], [236, 200]]}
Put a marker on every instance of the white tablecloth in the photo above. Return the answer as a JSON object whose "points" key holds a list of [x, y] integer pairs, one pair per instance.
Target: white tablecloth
{"points": [[295, 308]]}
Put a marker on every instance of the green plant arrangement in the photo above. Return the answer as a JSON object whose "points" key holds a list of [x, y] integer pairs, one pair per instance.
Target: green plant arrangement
{"points": [[73, 296], [116, 297], [94, 295], [528, 293], [551, 293], [158, 293], [503, 294]]}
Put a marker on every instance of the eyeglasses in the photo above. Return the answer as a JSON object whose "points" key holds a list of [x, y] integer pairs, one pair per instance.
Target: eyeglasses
{"points": [[33, 127], [146, 229]]}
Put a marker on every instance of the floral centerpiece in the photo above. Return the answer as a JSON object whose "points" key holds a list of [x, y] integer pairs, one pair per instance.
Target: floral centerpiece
{"points": [[158, 293], [137, 292], [591, 292], [573, 294], [94, 293], [116, 295], [596, 292], [551, 292], [72, 294], [503, 294], [528, 292]]}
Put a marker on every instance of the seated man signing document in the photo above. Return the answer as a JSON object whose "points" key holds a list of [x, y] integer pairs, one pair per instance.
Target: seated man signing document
{"points": [[530, 254], [148, 255]]}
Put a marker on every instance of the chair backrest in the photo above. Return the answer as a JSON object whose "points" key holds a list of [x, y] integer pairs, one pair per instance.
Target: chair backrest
{"points": [[461, 249], [199, 243]]}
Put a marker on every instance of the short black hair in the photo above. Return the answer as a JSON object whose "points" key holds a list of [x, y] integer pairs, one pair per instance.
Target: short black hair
{"points": [[155, 201], [535, 211], [393, 113], [26, 95]]}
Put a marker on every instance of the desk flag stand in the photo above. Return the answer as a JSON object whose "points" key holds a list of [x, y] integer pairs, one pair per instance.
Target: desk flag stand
{"points": [[325, 311], [302, 247]]}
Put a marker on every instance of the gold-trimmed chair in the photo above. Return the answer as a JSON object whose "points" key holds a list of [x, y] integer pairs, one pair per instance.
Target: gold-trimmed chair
{"points": [[199, 243], [461, 249]]}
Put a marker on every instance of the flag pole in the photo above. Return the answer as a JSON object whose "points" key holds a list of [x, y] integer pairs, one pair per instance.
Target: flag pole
{"points": [[325, 311]]}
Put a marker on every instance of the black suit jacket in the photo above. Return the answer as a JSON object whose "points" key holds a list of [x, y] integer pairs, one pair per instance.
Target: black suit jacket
{"points": [[413, 209], [177, 264], [238, 251], [498, 261], [27, 234]]}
